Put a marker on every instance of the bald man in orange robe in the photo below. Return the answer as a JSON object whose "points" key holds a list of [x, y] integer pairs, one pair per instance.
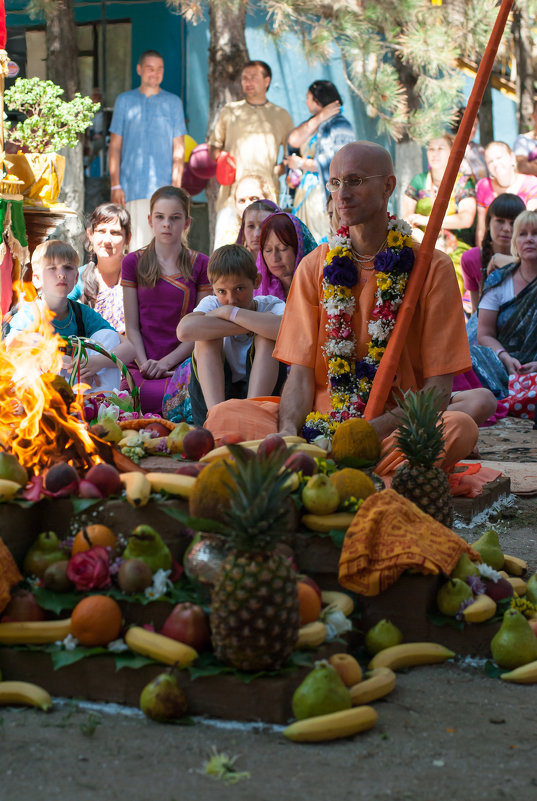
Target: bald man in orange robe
{"points": [[436, 347]]}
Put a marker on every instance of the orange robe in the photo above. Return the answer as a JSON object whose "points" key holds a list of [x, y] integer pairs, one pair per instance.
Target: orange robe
{"points": [[436, 344]]}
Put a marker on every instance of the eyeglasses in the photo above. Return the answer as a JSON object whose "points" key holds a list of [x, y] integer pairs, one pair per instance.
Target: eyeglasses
{"points": [[335, 184]]}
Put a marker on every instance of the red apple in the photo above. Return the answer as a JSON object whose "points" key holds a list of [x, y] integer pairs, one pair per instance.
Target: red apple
{"points": [[188, 623], [498, 590], [271, 443], [106, 478], [22, 606], [302, 462], [88, 490], [197, 443], [61, 480], [157, 430], [190, 468]]}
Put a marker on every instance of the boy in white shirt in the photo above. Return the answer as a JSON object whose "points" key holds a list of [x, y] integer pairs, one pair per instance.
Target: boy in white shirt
{"points": [[234, 341]]}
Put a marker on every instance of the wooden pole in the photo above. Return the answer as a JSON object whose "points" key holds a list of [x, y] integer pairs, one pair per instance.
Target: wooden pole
{"points": [[383, 381]]}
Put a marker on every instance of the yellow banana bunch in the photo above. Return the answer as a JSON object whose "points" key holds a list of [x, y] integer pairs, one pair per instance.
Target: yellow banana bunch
{"points": [[34, 632], [161, 648], [514, 566], [379, 683], [8, 489], [22, 692], [340, 600], [518, 584], [311, 635], [410, 654], [137, 487], [298, 443], [172, 483], [526, 674], [483, 608], [333, 726], [325, 523]]}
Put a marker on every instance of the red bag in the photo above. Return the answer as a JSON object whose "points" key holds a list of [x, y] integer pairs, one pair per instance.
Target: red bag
{"points": [[522, 395]]}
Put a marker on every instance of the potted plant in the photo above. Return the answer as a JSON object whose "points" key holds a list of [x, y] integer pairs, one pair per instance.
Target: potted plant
{"points": [[49, 124]]}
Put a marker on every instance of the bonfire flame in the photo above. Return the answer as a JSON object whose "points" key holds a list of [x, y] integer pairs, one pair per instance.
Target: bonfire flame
{"points": [[40, 416]]}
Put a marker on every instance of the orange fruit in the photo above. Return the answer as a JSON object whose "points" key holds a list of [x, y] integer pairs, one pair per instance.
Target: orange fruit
{"points": [[96, 620], [97, 535], [309, 603]]}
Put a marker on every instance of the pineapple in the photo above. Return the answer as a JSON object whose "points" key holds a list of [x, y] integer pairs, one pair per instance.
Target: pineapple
{"points": [[254, 604], [420, 435]]}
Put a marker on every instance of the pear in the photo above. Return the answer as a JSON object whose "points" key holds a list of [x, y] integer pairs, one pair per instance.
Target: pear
{"points": [[320, 496], [488, 546], [321, 693], [382, 635], [174, 440], [108, 429], [162, 699], [514, 644], [531, 589], [146, 544], [11, 468], [464, 567], [451, 595]]}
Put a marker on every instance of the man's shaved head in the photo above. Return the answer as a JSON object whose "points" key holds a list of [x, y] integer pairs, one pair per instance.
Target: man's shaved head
{"points": [[376, 157]]}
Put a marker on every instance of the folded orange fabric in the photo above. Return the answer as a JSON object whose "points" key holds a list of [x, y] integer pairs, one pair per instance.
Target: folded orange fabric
{"points": [[468, 480], [9, 575], [389, 535]]}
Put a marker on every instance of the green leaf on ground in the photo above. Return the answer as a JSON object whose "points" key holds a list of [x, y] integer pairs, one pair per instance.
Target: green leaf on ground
{"points": [[444, 620], [493, 670]]}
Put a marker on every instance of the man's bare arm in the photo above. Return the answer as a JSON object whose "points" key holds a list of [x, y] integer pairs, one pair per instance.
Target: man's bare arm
{"points": [[526, 166], [386, 423], [114, 163], [297, 399], [178, 160]]}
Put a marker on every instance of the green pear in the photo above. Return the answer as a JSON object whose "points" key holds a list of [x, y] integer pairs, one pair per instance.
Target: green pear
{"points": [[464, 567], [109, 429], [515, 643], [382, 635], [320, 496], [45, 550], [11, 468], [174, 440], [162, 699], [531, 589], [488, 546], [147, 544], [451, 595], [321, 693]]}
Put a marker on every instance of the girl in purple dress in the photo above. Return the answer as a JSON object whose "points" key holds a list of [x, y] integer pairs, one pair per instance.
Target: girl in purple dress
{"points": [[161, 283]]}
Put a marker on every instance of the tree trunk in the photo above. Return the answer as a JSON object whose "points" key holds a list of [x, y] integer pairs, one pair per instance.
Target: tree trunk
{"points": [[62, 68], [524, 66], [227, 55], [486, 124], [408, 154], [62, 58]]}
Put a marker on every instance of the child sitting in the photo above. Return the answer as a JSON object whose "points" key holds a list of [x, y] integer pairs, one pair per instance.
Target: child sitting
{"points": [[54, 274], [234, 335]]}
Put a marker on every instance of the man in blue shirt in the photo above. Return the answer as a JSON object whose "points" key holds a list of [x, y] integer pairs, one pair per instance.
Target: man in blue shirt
{"points": [[147, 144]]}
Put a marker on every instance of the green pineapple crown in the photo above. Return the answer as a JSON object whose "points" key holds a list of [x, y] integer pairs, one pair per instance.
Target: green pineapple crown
{"points": [[420, 431], [259, 486]]}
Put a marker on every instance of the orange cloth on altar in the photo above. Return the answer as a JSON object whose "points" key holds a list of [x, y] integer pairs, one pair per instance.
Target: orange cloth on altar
{"points": [[9, 575], [389, 535]]}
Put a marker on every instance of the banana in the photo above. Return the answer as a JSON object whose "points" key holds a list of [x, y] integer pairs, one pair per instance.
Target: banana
{"points": [[22, 692], [34, 632], [483, 608], [161, 648], [137, 487], [340, 600], [172, 483], [292, 483], [409, 654], [298, 444], [379, 683], [515, 566], [325, 523], [8, 489], [131, 438], [527, 674], [518, 584], [333, 726], [311, 635]]}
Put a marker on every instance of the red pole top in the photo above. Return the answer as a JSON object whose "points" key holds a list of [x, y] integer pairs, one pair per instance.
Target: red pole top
{"points": [[3, 33]]}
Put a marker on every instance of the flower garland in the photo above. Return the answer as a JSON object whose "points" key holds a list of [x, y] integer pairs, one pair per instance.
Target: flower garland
{"points": [[350, 379]]}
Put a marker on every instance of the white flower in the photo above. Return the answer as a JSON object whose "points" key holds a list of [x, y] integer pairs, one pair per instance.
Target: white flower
{"points": [[118, 646], [488, 572], [108, 411], [336, 623], [69, 643], [160, 584], [322, 442], [379, 329]]}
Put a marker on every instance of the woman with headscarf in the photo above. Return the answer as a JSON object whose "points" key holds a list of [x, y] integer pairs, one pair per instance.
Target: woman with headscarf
{"points": [[318, 139], [283, 243]]}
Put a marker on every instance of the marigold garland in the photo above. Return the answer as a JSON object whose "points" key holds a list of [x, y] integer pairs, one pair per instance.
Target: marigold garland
{"points": [[350, 379]]}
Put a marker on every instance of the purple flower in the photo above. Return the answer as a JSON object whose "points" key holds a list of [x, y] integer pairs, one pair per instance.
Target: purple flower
{"points": [[476, 584], [406, 260], [341, 271], [386, 261], [309, 433], [365, 370], [340, 381], [462, 607]]}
